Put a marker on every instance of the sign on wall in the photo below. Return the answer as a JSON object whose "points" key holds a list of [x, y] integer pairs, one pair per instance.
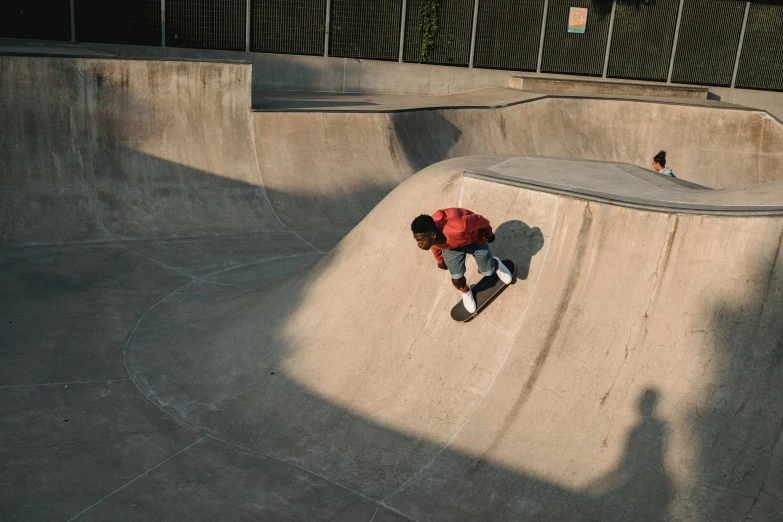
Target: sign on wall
{"points": [[577, 20]]}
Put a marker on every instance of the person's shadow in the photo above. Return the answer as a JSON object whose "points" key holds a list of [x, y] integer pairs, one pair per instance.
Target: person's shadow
{"points": [[518, 242], [639, 487]]}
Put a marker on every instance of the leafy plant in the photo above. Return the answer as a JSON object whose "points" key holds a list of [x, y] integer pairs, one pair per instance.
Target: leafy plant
{"points": [[428, 28]]}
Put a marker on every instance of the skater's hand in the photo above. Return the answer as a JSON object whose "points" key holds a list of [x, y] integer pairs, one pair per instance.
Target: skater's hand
{"points": [[490, 238], [442, 266]]}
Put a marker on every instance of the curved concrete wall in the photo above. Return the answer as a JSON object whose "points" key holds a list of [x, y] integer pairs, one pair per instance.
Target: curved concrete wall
{"points": [[328, 156], [97, 149]]}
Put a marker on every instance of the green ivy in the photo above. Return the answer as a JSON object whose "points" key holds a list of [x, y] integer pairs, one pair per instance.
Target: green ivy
{"points": [[428, 28]]}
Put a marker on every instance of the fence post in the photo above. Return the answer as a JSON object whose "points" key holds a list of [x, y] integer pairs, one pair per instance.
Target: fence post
{"points": [[473, 33], [674, 44], [609, 39], [326, 26], [73, 23], [247, 27], [402, 28], [541, 40], [163, 23], [739, 47]]}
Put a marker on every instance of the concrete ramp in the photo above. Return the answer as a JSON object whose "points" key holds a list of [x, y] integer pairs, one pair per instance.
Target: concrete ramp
{"points": [[214, 314], [631, 373]]}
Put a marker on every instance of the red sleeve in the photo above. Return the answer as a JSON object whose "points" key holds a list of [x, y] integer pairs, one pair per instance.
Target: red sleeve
{"points": [[475, 222], [438, 253]]}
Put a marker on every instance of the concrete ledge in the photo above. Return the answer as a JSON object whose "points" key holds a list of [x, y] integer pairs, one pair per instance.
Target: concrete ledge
{"points": [[538, 83], [627, 185]]}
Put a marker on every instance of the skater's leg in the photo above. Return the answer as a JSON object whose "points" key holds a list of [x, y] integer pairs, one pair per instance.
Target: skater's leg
{"points": [[484, 259], [488, 264], [461, 284], [455, 262]]}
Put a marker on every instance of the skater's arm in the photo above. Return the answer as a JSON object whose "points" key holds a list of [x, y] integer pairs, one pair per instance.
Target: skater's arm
{"points": [[438, 253]]}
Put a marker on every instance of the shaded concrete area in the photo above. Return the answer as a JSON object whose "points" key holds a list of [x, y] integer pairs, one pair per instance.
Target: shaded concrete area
{"points": [[209, 313]]}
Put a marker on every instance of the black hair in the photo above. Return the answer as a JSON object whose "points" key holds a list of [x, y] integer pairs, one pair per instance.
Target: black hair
{"points": [[423, 224], [660, 158]]}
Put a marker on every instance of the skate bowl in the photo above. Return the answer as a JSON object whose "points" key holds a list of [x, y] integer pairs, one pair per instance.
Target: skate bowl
{"points": [[214, 313]]}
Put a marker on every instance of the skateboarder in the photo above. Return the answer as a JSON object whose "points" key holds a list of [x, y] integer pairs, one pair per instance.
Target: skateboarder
{"points": [[452, 233]]}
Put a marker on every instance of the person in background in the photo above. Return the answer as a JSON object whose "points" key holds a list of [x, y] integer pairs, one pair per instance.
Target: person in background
{"points": [[659, 164]]}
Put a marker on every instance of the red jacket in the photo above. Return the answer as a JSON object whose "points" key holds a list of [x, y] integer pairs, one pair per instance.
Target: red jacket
{"points": [[461, 228]]}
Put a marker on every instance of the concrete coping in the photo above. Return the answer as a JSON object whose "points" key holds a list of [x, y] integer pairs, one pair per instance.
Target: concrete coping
{"points": [[548, 84], [80, 54], [626, 185]]}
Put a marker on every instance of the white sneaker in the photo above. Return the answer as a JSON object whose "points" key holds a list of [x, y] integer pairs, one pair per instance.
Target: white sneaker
{"points": [[469, 301], [503, 273]]}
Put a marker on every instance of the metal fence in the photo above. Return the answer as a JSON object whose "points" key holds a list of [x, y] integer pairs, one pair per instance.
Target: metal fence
{"points": [[761, 62], [508, 33], [365, 29], [119, 21], [451, 45], [288, 26], [207, 24], [642, 41], [575, 53], [36, 19], [707, 42]]}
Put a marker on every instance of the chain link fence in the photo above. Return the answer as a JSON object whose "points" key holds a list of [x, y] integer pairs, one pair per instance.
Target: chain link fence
{"points": [[451, 41], [119, 21], [206, 24], [288, 26], [642, 41], [365, 29], [575, 53], [36, 19], [508, 33], [706, 42], [761, 61]]}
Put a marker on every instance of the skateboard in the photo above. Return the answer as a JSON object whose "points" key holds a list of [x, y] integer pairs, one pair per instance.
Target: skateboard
{"points": [[485, 291]]}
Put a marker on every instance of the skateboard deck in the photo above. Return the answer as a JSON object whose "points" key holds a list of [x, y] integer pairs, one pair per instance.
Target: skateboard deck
{"points": [[485, 291]]}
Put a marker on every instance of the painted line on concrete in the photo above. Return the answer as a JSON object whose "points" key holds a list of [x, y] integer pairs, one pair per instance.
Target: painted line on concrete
{"points": [[309, 254], [161, 263], [199, 430], [137, 478], [263, 186], [66, 384]]}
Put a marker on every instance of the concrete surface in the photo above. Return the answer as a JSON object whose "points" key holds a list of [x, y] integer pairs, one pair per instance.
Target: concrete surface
{"points": [[554, 84], [209, 313]]}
